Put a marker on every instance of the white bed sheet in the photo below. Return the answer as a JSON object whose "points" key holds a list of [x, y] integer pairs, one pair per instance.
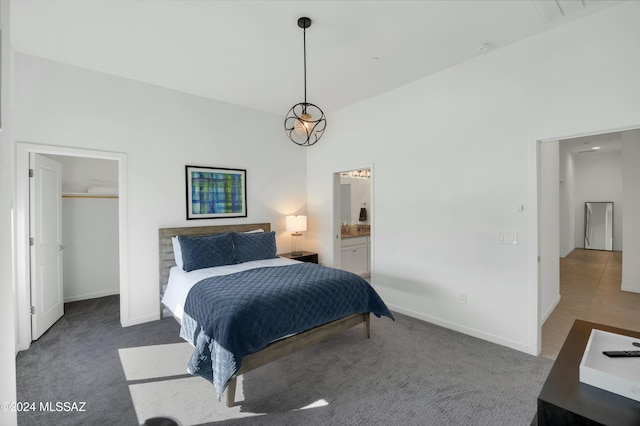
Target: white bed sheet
{"points": [[180, 282]]}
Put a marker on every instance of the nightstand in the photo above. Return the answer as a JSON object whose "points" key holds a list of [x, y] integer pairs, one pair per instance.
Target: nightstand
{"points": [[306, 256]]}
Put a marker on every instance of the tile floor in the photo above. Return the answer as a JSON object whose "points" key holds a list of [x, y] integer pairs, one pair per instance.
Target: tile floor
{"points": [[590, 283]]}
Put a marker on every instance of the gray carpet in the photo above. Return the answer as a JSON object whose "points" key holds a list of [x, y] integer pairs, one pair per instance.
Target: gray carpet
{"points": [[409, 372], [77, 361]]}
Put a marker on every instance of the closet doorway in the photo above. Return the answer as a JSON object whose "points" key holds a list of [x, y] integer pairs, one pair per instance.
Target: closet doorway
{"points": [[89, 227], [93, 228]]}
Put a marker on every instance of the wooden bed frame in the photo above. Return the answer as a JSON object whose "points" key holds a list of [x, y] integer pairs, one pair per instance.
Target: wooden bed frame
{"points": [[274, 350]]}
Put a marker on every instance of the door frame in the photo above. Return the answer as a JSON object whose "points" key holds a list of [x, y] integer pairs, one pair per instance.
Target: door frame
{"points": [[535, 227], [23, 273]]}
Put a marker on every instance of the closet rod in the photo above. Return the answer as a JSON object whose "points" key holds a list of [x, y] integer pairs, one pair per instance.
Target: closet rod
{"points": [[88, 196]]}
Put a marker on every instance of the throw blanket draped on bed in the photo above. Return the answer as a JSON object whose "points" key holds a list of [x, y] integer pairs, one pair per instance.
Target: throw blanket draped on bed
{"points": [[231, 316]]}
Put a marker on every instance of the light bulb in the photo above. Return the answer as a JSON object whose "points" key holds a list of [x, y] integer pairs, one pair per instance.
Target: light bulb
{"points": [[304, 126]]}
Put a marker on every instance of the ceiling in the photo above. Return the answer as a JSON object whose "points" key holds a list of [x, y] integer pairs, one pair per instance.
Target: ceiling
{"points": [[249, 53], [607, 142]]}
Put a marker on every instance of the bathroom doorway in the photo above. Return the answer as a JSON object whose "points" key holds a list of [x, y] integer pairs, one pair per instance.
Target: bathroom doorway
{"points": [[353, 216]]}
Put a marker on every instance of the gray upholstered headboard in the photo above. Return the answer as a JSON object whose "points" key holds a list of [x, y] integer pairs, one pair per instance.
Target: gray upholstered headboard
{"points": [[166, 248]]}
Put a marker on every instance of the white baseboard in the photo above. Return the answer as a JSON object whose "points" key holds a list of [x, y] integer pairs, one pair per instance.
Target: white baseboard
{"points": [[513, 344], [140, 320], [634, 289], [91, 295], [550, 310], [567, 253]]}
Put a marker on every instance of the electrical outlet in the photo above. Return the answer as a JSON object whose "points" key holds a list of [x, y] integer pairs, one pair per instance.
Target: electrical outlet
{"points": [[462, 297]]}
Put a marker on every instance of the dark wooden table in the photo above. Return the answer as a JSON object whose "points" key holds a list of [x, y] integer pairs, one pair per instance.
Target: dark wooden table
{"points": [[564, 400], [305, 256]]}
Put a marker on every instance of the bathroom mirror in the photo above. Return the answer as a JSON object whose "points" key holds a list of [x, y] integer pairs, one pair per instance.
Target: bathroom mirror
{"points": [[598, 225]]}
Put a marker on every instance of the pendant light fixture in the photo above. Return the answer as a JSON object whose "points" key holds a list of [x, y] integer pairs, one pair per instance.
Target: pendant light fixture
{"points": [[305, 122]]}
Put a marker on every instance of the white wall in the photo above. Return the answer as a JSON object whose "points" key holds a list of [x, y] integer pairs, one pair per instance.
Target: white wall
{"points": [[550, 222], [160, 131], [567, 203], [443, 189], [631, 223], [7, 244], [78, 174], [90, 237], [598, 177]]}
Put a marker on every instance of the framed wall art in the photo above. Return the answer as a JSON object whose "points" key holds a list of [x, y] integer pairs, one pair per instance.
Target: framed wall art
{"points": [[215, 192]]}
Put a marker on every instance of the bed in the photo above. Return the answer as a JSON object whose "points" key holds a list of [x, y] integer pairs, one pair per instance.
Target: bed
{"points": [[262, 324]]}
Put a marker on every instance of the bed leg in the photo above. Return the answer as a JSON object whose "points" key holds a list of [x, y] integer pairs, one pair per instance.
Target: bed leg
{"points": [[231, 392], [367, 325]]}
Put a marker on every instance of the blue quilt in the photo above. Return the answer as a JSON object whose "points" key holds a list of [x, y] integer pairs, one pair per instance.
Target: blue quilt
{"points": [[230, 316]]}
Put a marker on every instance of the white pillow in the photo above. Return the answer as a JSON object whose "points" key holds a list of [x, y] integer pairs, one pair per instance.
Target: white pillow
{"points": [[254, 231], [177, 252]]}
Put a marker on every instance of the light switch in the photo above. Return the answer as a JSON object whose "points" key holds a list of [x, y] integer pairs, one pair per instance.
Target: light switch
{"points": [[508, 238]]}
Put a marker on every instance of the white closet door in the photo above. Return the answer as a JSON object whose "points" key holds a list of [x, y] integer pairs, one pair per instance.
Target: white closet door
{"points": [[47, 299]]}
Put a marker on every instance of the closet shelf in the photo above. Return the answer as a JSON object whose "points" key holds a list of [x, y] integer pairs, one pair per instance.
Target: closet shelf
{"points": [[87, 195]]}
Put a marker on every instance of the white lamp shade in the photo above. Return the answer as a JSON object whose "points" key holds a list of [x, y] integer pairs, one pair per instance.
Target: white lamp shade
{"points": [[296, 223]]}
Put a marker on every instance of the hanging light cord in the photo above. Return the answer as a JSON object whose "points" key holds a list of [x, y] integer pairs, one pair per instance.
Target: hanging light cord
{"points": [[305, 123], [304, 55]]}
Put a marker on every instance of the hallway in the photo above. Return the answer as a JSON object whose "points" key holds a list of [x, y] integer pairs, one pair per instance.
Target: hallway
{"points": [[590, 290]]}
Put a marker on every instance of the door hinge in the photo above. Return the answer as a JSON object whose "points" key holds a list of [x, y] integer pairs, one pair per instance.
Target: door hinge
{"points": [[30, 173], [33, 310], [31, 241], [538, 259]]}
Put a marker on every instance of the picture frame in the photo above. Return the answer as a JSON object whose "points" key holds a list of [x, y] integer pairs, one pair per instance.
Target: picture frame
{"points": [[215, 192]]}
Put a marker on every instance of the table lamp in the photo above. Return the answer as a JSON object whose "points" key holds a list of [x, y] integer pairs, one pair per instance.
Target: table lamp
{"points": [[296, 225]]}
